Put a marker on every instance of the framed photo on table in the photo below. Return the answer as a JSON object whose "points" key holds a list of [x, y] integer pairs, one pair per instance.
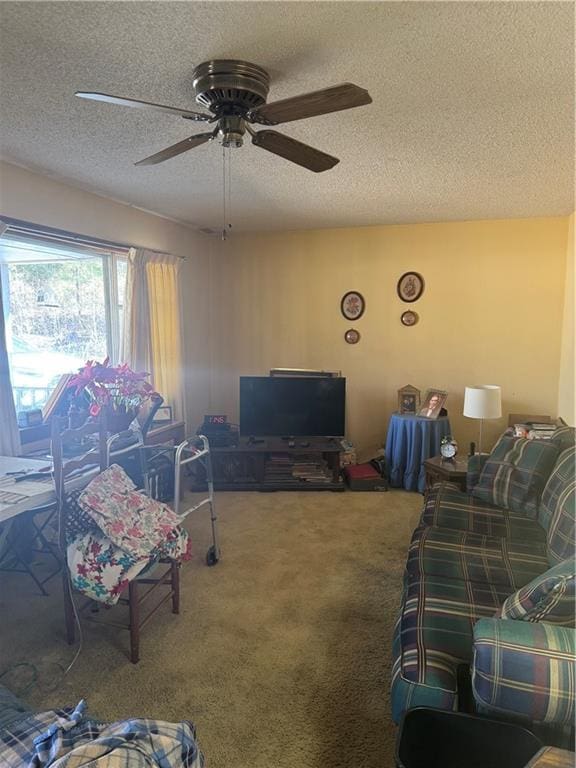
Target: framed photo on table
{"points": [[408, 400], [433, 403]]}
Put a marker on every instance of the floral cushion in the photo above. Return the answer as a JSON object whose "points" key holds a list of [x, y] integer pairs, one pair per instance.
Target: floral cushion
{"points": [[101, 570], [549, 597], [515, 474], [131, 520]]}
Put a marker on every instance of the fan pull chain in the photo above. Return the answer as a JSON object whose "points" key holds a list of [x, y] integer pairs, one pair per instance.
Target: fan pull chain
{"points": [[226, 191], [223, 192], [229, 187]]}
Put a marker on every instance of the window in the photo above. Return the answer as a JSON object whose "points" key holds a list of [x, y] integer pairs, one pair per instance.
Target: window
{"points": [[62, 306]]}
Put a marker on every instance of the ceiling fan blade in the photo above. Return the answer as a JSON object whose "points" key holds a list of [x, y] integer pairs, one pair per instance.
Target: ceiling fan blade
{"points": [[186, 113], [177, 149], [322, 102], [295, 151]]}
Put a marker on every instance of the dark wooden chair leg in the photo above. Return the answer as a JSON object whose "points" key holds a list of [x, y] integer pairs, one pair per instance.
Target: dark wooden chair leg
{"points": [[68, 606], [175, 583], [134, 610]]}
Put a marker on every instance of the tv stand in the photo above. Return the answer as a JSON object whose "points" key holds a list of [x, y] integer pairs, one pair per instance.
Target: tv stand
{"points": [[272, 465]]}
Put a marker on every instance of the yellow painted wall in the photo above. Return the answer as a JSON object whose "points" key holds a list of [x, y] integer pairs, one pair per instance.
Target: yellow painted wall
{"points": [[491, 313], [493, 310], [44, 201], [566, 389]]}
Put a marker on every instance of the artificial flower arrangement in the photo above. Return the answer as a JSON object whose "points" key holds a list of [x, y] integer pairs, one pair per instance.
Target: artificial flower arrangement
{"points": [[117, 388]]}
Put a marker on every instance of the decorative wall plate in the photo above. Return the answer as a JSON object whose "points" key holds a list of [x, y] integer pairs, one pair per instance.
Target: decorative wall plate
{"points": [[410, 286], [352, 336], [409, 318], [352, 305]]}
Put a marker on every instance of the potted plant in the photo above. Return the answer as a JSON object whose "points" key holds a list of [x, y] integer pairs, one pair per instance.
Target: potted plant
{"points": [[117, 390]]}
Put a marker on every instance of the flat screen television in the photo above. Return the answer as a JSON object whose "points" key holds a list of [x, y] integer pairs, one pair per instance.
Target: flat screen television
{"points": [[292, 406]]}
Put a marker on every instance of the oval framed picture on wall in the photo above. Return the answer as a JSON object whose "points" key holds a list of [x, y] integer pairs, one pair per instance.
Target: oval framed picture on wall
{"points": [[410, 286], [352, 305]]}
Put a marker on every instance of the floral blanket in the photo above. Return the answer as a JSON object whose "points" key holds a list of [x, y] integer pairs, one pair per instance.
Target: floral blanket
{"points": [[130, 519], [133, 532]]}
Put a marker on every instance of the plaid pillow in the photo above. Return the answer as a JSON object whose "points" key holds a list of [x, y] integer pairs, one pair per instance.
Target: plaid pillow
{"points": [[564, 437], [549, 597], [515, 474]]}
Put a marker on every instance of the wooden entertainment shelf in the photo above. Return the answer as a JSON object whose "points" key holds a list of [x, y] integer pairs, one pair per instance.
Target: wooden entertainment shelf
{"points": [[272, 465]]}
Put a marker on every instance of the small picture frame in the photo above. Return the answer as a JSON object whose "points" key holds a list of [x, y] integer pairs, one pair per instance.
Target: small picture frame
{"points": [[433, 403], [163, 415], [408, 400], [409, 318], [352, 305], [410, 286], [352, 336]]}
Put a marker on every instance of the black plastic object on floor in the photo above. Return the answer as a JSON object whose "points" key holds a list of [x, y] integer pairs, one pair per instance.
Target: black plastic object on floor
{"points": [[430, 738]]}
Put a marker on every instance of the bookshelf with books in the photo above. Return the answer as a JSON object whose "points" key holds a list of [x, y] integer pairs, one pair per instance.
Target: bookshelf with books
{"points": [[273, 465]]}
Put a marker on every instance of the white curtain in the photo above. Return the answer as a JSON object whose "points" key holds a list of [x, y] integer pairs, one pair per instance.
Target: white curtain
{"points": [[9, 433], [152, 337], [135, 346]]}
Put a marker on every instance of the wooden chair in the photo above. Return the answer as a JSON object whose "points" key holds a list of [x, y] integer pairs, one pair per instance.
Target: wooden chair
{"points": [[66, 473]]}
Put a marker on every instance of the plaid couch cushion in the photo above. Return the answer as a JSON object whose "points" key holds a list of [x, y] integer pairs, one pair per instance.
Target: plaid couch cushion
{"points": [[525, 670], [564, 437], [549, 597], [515, 473], [433, 635], [447, 507], [558, 507], [473, 469], [509, 563], [438, 616]]}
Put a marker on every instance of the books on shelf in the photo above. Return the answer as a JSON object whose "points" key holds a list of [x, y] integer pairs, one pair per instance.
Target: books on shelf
{"points": [[290, 470]]}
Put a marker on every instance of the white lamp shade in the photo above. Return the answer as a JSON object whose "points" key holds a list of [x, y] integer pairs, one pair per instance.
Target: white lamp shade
{"points": [[483, 401]]}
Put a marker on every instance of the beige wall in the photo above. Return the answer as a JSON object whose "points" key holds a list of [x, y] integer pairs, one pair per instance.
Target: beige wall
{"points": [[491, 313], [566, 389], [41, 200], [494, 309]]}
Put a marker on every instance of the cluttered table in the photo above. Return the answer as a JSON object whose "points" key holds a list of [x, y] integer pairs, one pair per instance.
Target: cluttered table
{"points": [[23, 485]]}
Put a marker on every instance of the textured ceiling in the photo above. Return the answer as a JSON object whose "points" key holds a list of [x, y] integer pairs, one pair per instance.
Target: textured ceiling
{"points": [[473, 113]]}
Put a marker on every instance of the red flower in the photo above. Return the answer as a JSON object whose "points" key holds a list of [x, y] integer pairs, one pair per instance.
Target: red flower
{"points": [[117, 386]]}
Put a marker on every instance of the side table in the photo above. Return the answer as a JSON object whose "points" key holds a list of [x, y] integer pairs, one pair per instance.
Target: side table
{"points": [[453, 470], [411, 440], [552, 757]]}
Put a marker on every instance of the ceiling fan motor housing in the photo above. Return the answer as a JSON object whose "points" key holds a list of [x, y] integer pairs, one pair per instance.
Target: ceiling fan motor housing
{"points": [[230, 87]]}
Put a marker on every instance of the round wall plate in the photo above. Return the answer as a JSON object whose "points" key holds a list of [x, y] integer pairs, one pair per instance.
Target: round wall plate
{"points": [[352, 336], [409, 318]]}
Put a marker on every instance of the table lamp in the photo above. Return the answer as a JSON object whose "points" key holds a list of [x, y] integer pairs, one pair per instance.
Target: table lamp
{"points": [[482, 401]]}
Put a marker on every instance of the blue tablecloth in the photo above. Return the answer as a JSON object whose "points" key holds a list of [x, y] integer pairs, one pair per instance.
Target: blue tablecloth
{"points": [[411, 440]]}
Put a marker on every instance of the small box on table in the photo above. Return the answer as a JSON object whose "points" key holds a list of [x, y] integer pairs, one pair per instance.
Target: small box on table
{"points": [[365, 477]]}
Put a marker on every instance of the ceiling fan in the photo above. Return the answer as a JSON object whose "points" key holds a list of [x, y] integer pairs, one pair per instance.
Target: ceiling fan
{"points": [[235, 94]]}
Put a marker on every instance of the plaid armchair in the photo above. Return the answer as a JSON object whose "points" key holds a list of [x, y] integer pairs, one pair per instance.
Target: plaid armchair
{"points": [[492, 587]]}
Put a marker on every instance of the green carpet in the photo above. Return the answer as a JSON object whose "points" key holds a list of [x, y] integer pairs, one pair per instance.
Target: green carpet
{"points": [[281, 653]]}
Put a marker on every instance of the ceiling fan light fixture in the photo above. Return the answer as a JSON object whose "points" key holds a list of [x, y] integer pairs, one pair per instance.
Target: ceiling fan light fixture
{"points": [[231, 131]]}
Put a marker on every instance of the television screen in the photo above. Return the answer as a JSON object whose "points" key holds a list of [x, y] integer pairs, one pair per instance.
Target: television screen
{"points": [[275, 406]]}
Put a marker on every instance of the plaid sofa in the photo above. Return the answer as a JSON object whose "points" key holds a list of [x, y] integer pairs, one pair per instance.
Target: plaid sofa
{"points": [[493, 588]]}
